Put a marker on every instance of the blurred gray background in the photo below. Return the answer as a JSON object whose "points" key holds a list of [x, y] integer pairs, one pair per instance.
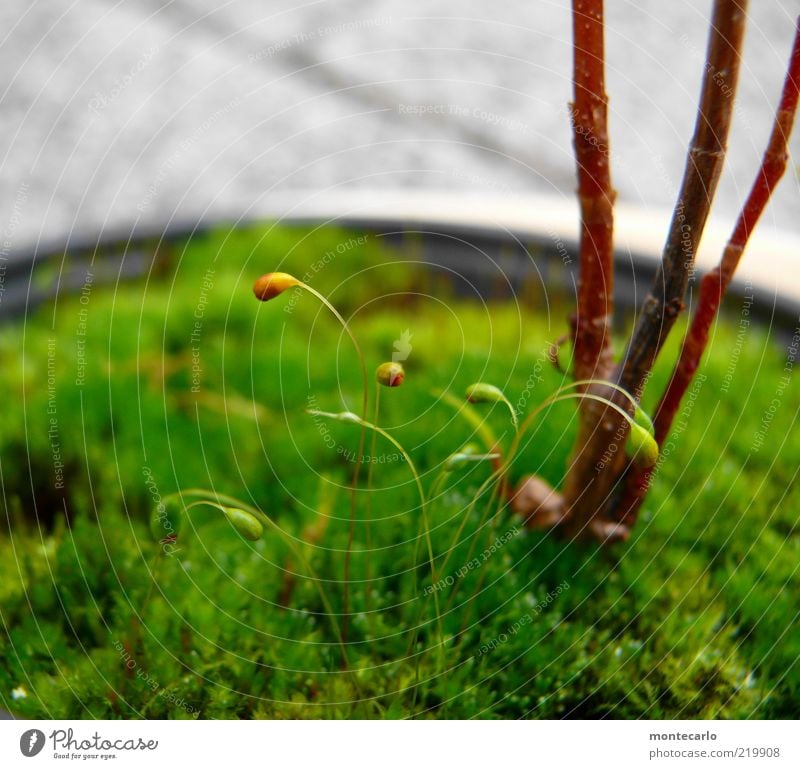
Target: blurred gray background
{"points": [[142, 113]]}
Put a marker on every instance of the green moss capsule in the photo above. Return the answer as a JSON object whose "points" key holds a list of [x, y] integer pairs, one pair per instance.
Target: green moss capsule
{"points": [[643, 446], [245, 523], [467, 454], [643, 420], [481, 392]]}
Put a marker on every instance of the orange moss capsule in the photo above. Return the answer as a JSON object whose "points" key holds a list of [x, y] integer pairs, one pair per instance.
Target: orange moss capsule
{"points": [[272, 284]]}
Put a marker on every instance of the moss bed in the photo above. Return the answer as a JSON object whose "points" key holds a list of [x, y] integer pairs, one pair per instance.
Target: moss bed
{"points": [[116, 397]]}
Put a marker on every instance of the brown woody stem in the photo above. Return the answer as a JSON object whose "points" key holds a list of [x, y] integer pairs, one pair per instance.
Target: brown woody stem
{"points": [[703, 167]]}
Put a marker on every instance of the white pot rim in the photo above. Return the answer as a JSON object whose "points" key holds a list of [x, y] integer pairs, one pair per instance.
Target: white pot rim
{"points": [[770, 265], [769, 270]]}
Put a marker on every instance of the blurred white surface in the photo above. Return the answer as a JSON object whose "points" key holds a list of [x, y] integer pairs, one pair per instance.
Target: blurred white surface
{"points": [[137, 113], [769, 267]]}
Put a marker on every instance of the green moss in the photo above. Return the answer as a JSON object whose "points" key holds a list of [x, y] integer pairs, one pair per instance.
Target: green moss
{"points": [[694, 617]]}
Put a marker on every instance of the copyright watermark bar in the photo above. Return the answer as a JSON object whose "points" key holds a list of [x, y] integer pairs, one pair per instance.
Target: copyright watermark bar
{"points": [[623, 744]]}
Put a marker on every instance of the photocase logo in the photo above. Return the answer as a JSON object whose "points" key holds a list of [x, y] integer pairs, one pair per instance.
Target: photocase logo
{"points": [[31, 742], [402, 347]]}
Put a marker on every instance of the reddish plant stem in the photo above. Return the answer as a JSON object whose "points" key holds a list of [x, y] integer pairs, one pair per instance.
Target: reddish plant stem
{"points": [[592, 323], [715, 283], [595, 193]]}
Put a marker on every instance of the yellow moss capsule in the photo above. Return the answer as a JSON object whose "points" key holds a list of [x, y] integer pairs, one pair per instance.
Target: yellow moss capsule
{"points": [[272, 284], [390, 374]]}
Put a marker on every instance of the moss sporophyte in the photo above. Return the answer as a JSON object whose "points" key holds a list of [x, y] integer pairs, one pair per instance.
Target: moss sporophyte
{"points": [[251, 523], [268, 287]]}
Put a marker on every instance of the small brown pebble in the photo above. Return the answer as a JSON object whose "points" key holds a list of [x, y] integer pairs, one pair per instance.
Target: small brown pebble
{"points": [[538, 503], [609, 532]]}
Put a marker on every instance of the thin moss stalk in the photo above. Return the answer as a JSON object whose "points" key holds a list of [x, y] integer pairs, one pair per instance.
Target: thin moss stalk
{"points": [[268, 287], [354, 419]]}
